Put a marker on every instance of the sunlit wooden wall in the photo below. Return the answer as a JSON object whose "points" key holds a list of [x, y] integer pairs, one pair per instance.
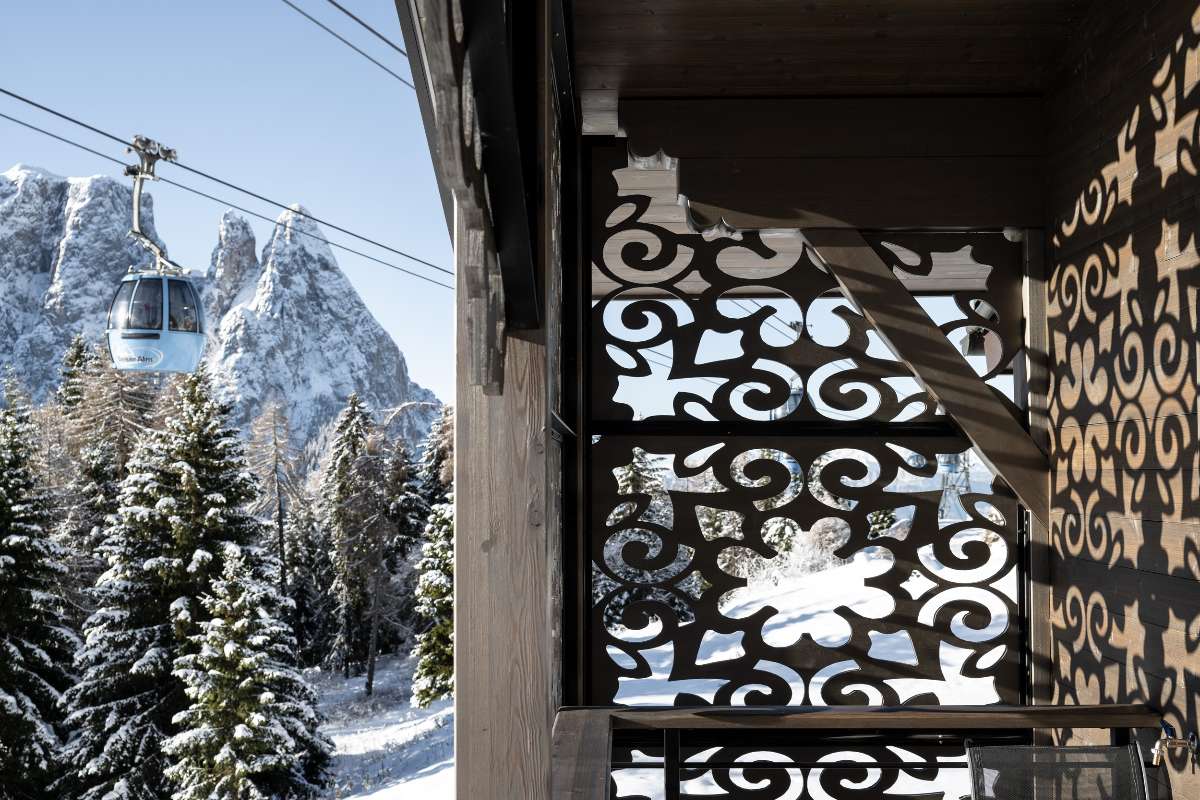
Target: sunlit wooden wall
{"points": [[508, 526], [1122, 316]]}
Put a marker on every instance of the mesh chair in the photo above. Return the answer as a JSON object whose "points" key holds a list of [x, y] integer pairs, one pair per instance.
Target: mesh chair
{"points": [[1057, 773]]}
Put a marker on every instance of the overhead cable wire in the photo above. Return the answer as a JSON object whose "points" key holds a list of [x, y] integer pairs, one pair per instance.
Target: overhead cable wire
{"points": [[786, 332], [223, 202], [347, 42], [376, 33], [227, 184]]}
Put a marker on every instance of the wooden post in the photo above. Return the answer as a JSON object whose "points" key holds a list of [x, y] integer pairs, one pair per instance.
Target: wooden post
{"points": [[1035, 366]]}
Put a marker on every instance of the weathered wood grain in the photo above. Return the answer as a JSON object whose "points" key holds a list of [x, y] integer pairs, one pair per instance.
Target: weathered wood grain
{"points": [[502, 666], [582, 753]]}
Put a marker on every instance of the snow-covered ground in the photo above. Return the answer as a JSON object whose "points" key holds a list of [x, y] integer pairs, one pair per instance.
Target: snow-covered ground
{"points": [[386, 749]]}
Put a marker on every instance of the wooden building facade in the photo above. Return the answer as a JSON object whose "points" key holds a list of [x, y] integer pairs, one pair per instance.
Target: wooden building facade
{"points": [[800, 261]]}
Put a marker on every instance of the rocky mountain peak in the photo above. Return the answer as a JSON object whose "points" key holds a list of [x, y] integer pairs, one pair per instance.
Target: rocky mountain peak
{"points": [[64, 245], [305, 337], [234, 269]]}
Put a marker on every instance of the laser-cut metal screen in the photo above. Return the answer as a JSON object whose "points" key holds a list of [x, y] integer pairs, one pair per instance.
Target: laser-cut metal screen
{"points": [[777, 513]]}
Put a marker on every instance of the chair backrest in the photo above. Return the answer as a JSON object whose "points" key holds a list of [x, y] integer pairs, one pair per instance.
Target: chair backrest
{"points": [[1057, 773]]}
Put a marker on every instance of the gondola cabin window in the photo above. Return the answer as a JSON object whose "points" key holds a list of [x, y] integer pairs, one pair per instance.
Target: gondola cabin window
{"points": [[185, 311]]}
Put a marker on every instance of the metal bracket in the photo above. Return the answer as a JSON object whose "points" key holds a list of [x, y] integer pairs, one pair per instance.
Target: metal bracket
{"points": [[149, 153]]}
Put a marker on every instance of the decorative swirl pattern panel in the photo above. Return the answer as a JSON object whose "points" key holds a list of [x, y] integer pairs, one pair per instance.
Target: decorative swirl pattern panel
{"points": [[777, 512], [752, 327], [774, 770], [920, 611]]}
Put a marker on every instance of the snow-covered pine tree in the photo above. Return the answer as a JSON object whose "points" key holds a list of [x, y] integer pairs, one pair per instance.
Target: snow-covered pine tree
{"points": [[273, 458], [437, 459], [76, 363], [640, 476], [251, 730], [93, 499], [394, 534], [310, 573], [181, 503], [434, 675], [115, 406], [348, 503], [35, 647], [818, 488], [881, 522], [643, 475]]}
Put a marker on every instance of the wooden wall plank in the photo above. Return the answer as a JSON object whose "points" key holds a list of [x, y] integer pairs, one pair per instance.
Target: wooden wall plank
{"points": [[508, 516], [1036, 377], [1170, 547], [502, 669], [968, 193], [1123, 318], [582, 753], [834, 128]]}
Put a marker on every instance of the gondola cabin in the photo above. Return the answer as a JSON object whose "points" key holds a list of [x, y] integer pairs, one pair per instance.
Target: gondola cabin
{"points": [[155, 324]]}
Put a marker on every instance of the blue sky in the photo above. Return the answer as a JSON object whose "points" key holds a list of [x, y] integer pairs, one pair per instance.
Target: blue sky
{"points": [[254, 93]]}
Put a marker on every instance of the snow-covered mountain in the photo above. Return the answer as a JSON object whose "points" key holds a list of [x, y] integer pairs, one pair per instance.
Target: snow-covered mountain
{"points": [[287, 326], [292, 328], [63, 248]]}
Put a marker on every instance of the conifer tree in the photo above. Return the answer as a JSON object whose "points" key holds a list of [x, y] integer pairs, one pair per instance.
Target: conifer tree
{"points": [[251, 730], [115, 406], [35, 648], [272, 458], [310, 572], [643, 475], [640, 476], [881, 522], [347, 499], [76, 363], [434, 675], [436, 470], [393, 531], [80, 533], [180, 505]]}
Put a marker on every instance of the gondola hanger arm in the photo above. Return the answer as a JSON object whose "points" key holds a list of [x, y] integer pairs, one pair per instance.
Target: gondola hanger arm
{"points": [[149, 153]]}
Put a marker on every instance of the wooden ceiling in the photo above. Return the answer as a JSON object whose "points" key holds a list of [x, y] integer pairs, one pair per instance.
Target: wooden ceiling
{"points": [[658, 48]]}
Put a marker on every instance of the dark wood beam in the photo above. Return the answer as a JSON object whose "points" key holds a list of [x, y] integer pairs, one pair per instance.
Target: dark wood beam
{"points": [[415, 48], [505, 145], [999, 439]]}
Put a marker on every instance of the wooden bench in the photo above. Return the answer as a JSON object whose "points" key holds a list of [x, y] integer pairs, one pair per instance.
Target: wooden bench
{"points": [[581, 754]]}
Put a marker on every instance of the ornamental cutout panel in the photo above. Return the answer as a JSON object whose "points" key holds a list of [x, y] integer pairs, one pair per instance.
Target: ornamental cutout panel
{"points": [[768, 767], [777, 512], [776, 570], [750, 327]]}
